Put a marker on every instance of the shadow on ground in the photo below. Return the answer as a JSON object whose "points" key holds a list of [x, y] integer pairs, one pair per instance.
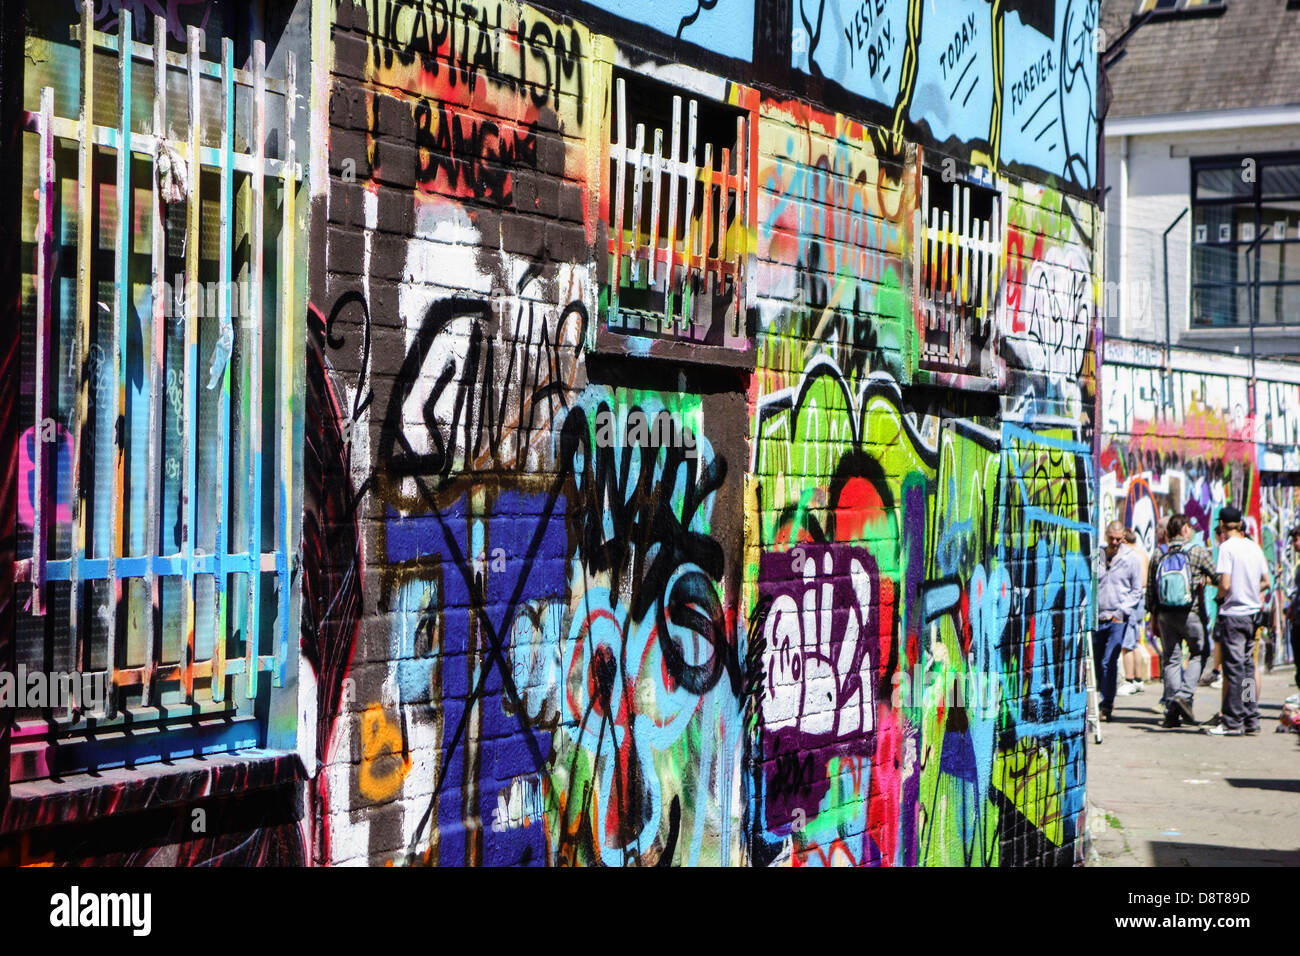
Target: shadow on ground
{"points": [[1287, 786], [1203, 854]]}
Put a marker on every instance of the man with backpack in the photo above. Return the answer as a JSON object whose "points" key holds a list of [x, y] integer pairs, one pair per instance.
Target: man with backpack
{"points": [[1176, 599]]}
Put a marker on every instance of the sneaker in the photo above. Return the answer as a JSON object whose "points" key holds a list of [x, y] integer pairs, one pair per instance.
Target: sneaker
{"points": [[1221, 731], [1252, 731], [1217, 683], [1184, 709], [1130, 687], [1208, 678], [1171, 720], [1214, 721], [1104, 713]]}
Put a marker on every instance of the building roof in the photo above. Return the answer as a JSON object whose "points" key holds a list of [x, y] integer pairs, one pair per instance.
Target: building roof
{"points": [[1244, 55]]}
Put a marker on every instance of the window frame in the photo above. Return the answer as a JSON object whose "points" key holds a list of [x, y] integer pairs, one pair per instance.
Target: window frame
{"points": [[738, 342], [971, 292], [239, 710], [1256, 200]]}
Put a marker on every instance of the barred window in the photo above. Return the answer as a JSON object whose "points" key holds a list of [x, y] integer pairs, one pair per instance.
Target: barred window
{"points": [[959, 244], [161, 198], [679, 212]]}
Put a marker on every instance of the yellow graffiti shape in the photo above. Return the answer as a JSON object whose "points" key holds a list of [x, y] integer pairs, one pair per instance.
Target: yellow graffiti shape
{"points": [[383, 766], [1032, 777]]}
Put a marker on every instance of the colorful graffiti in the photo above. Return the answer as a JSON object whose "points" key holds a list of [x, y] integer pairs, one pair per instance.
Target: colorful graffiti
{"points": [[607, 649], [834, 232], [938, 662], [1015, 83], [1051, 291], [1186, 445], [1185, 441], [818, 596]]}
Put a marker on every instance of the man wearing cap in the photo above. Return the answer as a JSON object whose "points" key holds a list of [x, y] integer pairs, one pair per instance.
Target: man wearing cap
{"points": [[1243, 580]]}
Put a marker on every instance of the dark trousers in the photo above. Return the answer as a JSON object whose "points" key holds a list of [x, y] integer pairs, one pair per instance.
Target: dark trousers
{"points": [[1106, 643], [1295, 647], [1240, 707], [1181, 677]]}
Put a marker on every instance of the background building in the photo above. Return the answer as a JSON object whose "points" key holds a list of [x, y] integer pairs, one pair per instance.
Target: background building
{"points": [[1202, 206], [1188, 136], [638, 424]]}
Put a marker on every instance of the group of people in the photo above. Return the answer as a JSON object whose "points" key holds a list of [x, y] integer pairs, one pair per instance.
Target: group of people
{"points": [[1170, 585]]}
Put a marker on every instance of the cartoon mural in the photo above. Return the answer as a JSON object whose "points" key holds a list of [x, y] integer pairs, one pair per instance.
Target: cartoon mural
{"points": [[1015, 82]]}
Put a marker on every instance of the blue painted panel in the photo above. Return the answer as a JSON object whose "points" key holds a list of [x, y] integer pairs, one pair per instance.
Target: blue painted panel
{"points": [[724, 26], [1048, 76]]}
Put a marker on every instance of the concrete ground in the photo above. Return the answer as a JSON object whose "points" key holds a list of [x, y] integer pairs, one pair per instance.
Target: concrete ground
{"points": [[1180, 798]]}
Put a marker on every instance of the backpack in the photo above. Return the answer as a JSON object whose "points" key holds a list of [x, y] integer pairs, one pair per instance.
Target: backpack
{"points": [[1174, 581]]}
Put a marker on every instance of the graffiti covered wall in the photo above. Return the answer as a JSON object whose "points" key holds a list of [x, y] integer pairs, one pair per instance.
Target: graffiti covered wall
{"points": [[824, 603], [695, 461], [920, 560], [1192, 440]]}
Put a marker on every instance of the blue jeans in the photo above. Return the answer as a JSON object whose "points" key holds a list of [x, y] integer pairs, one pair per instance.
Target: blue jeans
{"points": [[1295, 646], [1106, 643]]}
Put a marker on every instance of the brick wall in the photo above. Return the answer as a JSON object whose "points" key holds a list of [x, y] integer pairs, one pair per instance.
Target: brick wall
{"points": [[545, 635]]}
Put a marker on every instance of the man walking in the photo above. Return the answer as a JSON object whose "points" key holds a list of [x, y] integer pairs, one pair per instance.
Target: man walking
{"points": [[1128, 654], [1119, 591], [1243, 579], [1176, 600]]}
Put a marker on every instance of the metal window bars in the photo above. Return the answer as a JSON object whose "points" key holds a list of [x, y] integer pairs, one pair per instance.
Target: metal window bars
{"points": [[669, 275], [957, 273], [97, 575]]}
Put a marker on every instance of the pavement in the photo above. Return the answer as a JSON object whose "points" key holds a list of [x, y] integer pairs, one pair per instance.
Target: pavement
{"points": [[1178, 797]]}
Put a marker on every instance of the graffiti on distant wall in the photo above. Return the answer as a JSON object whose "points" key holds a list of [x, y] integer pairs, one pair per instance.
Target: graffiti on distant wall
{"points": [[1186, 442], [1183, 446]]}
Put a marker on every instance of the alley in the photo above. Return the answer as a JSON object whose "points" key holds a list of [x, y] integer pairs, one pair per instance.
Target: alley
{"points": [[1180, 798]]}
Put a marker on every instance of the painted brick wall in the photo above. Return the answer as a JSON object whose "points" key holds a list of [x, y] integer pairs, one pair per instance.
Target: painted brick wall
{"points": [[912, 544], [542, 638], [794, 592]]}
